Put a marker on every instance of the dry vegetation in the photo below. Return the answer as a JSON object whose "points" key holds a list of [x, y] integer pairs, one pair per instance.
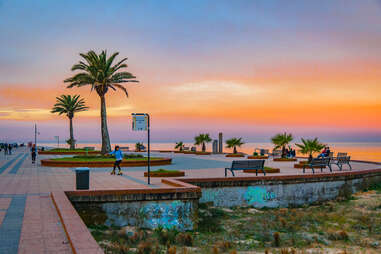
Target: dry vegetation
{"points": [[339, 227]]}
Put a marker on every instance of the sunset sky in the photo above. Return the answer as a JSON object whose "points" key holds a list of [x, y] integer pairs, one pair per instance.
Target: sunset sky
{"points": [[246, 68]]}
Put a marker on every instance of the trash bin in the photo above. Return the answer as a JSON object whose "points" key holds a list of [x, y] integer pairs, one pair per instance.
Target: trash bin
{"points": [[82, 176]]}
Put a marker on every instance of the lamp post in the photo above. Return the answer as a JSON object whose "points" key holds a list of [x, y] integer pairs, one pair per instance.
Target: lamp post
{"points": [[58, 141]]}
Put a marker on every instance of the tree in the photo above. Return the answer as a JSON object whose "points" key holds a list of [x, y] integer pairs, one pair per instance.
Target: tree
{"points": [[179, 145], [233, 143], [138, 147], [202, 139], [67, 104], [310, 146], [281, 141], [99, 72]]}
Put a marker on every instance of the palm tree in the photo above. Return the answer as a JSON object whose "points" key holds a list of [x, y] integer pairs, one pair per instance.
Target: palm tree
{"points": [[310, 146], [281, 141], [179, 145], [67, 104], [138, 146], [99, 72], [233, 143], [202, 139]]}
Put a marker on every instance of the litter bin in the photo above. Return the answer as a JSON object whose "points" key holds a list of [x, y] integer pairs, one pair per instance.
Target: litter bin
{"points": [[82, 176]]}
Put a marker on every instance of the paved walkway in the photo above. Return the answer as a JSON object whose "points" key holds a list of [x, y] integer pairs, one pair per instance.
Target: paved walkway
{"points": [[29, 222]]}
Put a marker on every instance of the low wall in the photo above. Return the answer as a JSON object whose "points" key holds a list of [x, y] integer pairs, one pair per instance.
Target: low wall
{"points": [[145, 208], [283, 191]]}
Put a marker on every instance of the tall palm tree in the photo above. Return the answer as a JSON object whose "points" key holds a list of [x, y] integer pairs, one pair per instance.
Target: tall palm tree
{"points": [[281, 141], [99, 72], [233, 143], [67, 104], [202, 139], [310, 146], [179, 145]]}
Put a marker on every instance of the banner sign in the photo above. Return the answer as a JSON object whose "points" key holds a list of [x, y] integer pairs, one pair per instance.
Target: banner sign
{"points": [[139, 122]]}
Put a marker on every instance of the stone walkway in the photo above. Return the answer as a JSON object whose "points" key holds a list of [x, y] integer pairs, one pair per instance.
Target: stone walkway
{"points": [[29, 222]]}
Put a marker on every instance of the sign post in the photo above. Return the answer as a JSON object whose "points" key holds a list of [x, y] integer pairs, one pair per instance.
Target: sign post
{"points": [[141, 122]]}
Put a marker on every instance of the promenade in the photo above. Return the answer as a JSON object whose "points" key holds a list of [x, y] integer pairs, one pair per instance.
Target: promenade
{"points": [[30, 223]]}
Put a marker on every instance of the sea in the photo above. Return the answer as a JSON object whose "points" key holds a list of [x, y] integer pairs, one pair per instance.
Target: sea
{"points": [[370, 151]]}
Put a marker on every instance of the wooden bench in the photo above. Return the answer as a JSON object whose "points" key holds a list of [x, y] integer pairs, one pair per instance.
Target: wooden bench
{"points": [[318, 163], [247, 164], [341, 161]]}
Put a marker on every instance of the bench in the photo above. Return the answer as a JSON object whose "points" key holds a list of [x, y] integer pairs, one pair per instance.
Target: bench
{"points": [[318, 163], [341, 161], [247, 164]]}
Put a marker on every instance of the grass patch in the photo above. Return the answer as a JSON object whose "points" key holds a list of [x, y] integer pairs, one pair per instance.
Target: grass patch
{"points": [[63, 150], [126, 157], [162, 170]]}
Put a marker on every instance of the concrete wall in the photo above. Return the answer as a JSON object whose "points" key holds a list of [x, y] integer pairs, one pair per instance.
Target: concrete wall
{"points": [[289, 192], [179, 214]]}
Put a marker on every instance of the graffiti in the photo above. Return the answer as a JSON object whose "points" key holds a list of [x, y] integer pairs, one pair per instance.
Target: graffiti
{"points": [[175, 214], [258, 195]]}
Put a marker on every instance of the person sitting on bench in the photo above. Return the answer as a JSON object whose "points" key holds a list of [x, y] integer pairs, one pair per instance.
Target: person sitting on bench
{"points": [[325, 153]]}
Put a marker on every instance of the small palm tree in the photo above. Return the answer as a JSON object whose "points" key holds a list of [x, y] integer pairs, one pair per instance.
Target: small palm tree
{"points": [[179, 145], [233, 143], [310, 146], [67, 104], [202, 139], [281, 141], [138, 146], [99, 72]]}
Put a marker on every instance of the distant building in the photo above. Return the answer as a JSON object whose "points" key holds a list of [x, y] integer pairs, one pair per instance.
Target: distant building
{"points": [[220, 143], [215, 146]]}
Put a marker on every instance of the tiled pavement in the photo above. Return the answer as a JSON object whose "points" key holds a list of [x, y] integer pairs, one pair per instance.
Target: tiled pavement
{"points": [[29, 222]]}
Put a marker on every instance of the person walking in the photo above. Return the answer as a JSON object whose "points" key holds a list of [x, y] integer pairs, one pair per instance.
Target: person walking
{"points": [[10, 149], [5, 149], [118, 159], [33, 152]]}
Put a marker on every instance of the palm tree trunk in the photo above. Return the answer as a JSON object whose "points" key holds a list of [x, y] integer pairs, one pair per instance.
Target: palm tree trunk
{"points": [[234, 150], [203, 146], [72, 144], [106, 147]]}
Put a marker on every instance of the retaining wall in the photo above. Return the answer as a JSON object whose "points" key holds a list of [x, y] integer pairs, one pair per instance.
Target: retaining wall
{"points": [[145, 208], [283, 191]]}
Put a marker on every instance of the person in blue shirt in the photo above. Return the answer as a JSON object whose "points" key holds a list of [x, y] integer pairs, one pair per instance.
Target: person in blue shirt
{"points": [[118, 159]]}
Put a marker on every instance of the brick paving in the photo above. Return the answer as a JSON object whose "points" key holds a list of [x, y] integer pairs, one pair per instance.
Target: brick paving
{"points": [[30, 223]]}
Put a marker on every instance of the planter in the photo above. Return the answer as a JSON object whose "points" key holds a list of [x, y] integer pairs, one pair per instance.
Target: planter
{"points": [[203, 153], [258, 157], [267, 170], [302, 163], [178, 151], [165, 174], [67, 153], [285, 159], [235, 155], [188, 152], [165, 151], [104, 164]]}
